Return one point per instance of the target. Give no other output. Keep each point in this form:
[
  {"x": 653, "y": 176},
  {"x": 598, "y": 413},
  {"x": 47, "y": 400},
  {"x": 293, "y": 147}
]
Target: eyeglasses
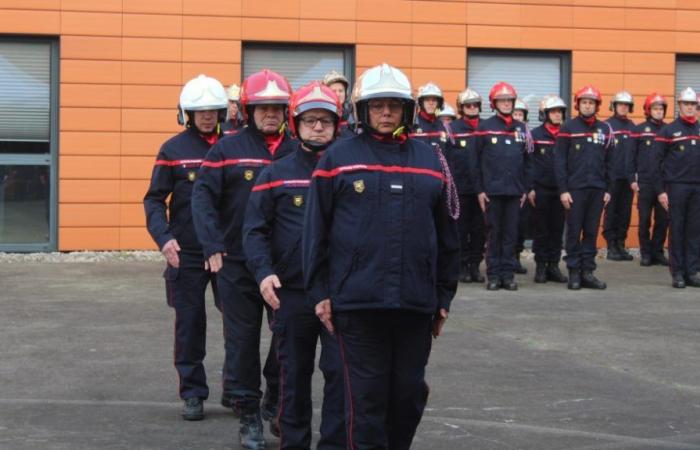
[
  {"x": 380, "y": 105},
  {"x": 312, "y": 121}
]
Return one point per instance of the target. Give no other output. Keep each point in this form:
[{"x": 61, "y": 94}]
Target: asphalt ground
[{"x": 86, "y": 363}]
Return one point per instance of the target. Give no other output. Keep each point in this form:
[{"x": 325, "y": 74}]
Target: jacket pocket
[
  {"x": 170, "y": 276},
  {"x": 348, "y": 271}
]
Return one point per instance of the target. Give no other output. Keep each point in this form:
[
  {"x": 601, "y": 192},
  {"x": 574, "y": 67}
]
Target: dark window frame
[{"x": 49, "y": 159}]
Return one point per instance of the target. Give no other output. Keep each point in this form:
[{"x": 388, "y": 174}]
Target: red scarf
[
  {"x": 507, "y": 119},
  {"x": 390, "y": 139},
  {"x": 273, "y": 142},
  {"x": 210, "y": 138},
  {"x": 589, "y": 120},
  {"x": 472, "y": 121},
  {"x": 689, "y": 120},
  {"x": 429, "y": 117},
  {"x": 553, "y": 129}
]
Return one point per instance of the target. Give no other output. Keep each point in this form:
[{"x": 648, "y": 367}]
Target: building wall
[{"x": 123, "y": 63}]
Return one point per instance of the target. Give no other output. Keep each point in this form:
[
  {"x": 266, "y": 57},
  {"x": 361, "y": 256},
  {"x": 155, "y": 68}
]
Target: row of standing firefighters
[{"x": 350, "y": 230}]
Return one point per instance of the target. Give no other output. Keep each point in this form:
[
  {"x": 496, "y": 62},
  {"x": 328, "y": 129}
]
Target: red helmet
[
  {"x": 590, "y": 92},
  {"x": 264, "y": 88},
  {"x": 314, "y": 95},
  {"x": 652, "y": 98},
  {"x": 502, "y": 91}
]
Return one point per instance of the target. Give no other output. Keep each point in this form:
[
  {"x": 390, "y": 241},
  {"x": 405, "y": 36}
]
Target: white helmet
[
  {"x": 447, "y": 111},
  {"x": 382, "y": 81},
  {"x": 622, "y": 97},
  {"x": 550, "y": 102},
  {"x": 234, "y": 93},
  {"x": 468, "y": 96},
  {"x": 520, "y": 106},
  {"x": 430, "y": 90},
  {"x": 202, "y": 94},
  {"x": 688, "y": 95}
]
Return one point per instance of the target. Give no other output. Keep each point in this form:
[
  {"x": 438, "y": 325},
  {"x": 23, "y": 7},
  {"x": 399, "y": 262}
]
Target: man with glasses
[{"x": 381, "y": 259}]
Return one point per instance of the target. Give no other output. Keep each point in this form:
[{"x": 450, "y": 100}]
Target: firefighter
[
  {"x": 428, "y": 128},
  {"x": 501, "y": 147},
  {"x": 520, "y": 113},
  {"x": 640, "y": 172},
  {"x": 463, "y": 162},
  {"x": 548, "y": 212},
  {"x": 219, "y": 199},
  {"x": 447, "y": 115},
  {"x": 341, "y": 86},
  {"x": 235, "y": 119},
  {"x": 618, "y": 212},
  {"x": 581, "y": 157},
  {"x": 381, "y": 259},
  {"x": 677, "y": 153},
  {"x": 271, "y": 239},
  {"x": 169, "y": 221}
]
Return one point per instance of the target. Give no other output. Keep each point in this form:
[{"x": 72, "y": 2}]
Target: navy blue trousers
[
  {"x": 185, "y": 289},
  {"x": 684, "y": 236},
  {"x": 502, "y": 218},
  {"x": 582, "y": 223},
  {"x": 547, "y": 226},
  {"x": 297, "y": 331}
]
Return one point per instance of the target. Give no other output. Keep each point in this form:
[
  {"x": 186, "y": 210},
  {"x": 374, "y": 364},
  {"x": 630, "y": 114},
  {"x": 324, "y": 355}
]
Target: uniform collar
[
  {"x": 552, "y": 129},
  {"x": 429, "y": 117}
]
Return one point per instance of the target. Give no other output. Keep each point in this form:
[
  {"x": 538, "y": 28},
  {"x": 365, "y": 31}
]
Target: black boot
[
  {"x": 645, "y": 261},
  {"x": 660, "y": 260},
  {"x": 624, "y": 254},
  {"x": 251, "y": 431},
  {"x": 494, "y": 284},
  {"x": 588, "y": 280},
  {"x": 692, "y": 281},
  {"x": 193, "y": 409},
  {"x": 574, "y": 279},
  {"x": 519, "y": 269},
  {"x": 613, "y": 252},
  {"x": 465, "y": 275},
  {"x": 554, "y": 274},
  {"x": 509, "y": 284},
  {"x": 540, "y": 273},
  {"x": 268, "y": 411},
  {"x": 476, "y": 276},
  {"x": 678, "y": 281}
]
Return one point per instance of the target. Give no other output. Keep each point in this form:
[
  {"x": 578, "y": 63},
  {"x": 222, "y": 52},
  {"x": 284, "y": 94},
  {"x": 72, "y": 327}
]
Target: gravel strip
[{"x": 79, "y": 257}]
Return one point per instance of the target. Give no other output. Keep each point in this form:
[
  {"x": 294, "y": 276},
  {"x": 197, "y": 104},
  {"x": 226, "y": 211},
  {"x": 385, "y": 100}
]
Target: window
[
  {"x": 28, "y": 142},
  {"x": 687, "y": 74},
  {"x": 533, "y": 74},
  {"x": 299, "y": 63}
]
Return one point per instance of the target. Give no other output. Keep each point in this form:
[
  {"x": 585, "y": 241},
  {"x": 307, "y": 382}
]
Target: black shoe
[
  {"x": 692, "y": 281},
  {"x": 588, "y": 280},
  {"x": 645, "y": 261},
  {"x": 519, "y": 269},
  {"x": 193, "y": 409},
  {"x": 613, "y": 252},
  {"x": 465, "y": 275},
  {"x": 660, "y": 260},
  {"x": 624, "y": 254},
  {"x": 494, "y": 284},
  {"x": 554, "y": 274},
  {"x": 574, "y": 279},
  {"x": 251, "y": 431},
  {"x": 540, "y": 273},
  {"x": 678, "y": 281},
  {"x": 476, "y": 275},
  {"x": 509, "y": 284}
]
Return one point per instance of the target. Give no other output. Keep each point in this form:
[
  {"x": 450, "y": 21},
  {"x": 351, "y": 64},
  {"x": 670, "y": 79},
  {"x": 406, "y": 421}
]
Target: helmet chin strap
[{"x": 316, "y": 147}]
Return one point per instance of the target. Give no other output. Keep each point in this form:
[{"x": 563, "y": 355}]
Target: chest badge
[
  {"x": 298, "y": 200},
  {"x": 494, "y": 140},
  {"x": 419, "y": 130},
  {"x": 578, "y": 146},
  {"x": 443, "y": 136},
  {"x": 542, "y": 150},
  {"x": 463, "y": 144},
  {"x": 248, "y": 175},
  {"x": 647, "y": 129},
  {"x": 682, "y": 147},
  {"x": 648, "y": 142},
  {"x": 191, "y": 176},
  {"x": 359, "y": 186}
]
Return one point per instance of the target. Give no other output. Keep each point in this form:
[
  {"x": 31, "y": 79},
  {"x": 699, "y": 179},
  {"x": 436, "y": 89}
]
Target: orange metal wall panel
[{"x": 123, "y": 63}]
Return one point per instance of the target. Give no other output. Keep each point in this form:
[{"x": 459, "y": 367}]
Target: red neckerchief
[
  {"x": 553, "y": 129},
  {"x": 589, "y": 120},
  {"x": 273, "y": 142},
  {"x": 507, "y": 119},
  {"x": 472, "y": 121},
  {"x": 429, "y": 117},
  {"x": 210, "y": 138},
  {"x": 390, "y": 139},
  {"x": 689, "y": 120}
]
